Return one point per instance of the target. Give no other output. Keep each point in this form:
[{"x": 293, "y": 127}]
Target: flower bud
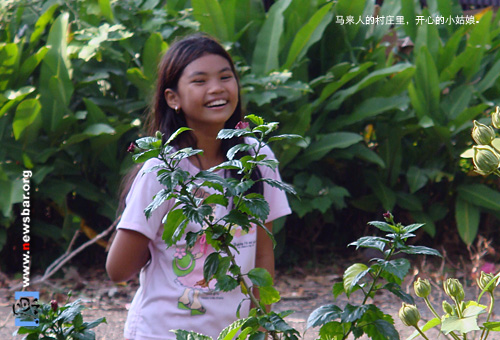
[
  {"x": 495, "y": 118},
  {"x": 388, "y": 217},
  {"x": 409, "y": 315},
  {"x": 447, "y": 308},
  {"x": 454, "y": 289},
  {"x": 422, "y": 288},
  {"x": 482, "y": 134},
  {"x": 485, "y": 159},
  {"x": 484, "y": 280},
  {"x": 54, "y": 305},
  {"x": 159, "y": 135},
  {"x": 242, "y": 125},
  {"x": 131, "y": 148}
]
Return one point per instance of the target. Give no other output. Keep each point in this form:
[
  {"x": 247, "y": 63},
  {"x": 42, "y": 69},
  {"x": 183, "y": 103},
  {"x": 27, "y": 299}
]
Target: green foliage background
[{"x": 384, "y": 126}]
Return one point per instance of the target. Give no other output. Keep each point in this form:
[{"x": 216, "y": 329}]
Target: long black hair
[{"x": 162, "y": 117}]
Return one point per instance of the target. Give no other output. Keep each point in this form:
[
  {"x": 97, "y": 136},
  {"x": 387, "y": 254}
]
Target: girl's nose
[{"x": 216, "y": 87}]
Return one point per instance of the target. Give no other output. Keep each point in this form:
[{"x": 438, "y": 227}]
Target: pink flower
[
  {"x": 387, "y": 216},
  {"x": 131, "y": 147},
  {"x": 180, "y": 253},
  {"x": 54, "y": 305},
  {"x": 488, "y": 267},
  {"x": 242, "y": 125}
]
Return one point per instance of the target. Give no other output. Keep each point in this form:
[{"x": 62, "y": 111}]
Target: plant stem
[
  {"x": 429, "y": 305},
  {"x": 485, "y": 332},
  {"x": 372, "y": 287},
  {"x": 421, "y": 333},
  {"x": 242, "y": 281}
]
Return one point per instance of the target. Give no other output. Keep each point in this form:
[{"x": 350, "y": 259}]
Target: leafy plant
[
  {"x": 458, "y": 319},
  {"x": 61, "y": 323},
  {"x": 245, "y": 208},
  {"x": 337, "y": 323}
]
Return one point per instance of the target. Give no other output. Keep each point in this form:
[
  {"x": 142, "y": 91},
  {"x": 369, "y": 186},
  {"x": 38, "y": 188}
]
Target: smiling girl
[{"x": 197, "y": 88}]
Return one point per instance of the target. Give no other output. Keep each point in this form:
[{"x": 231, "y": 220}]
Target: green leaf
[
  {"x": 232, "y": 133},
  {"x": 256, "y": 205},
  {"x": 144, "y": 156},
  {"x": 216, "y": 199},
  {"x": 489, "y": 79},
  {"x": 352, "y": 313},
  {"x": 370, "y": 108},
  {"x": 211, "y": 265},
  {"x": 175, "y": 224},
  {"x": 181, "y": 334},
  {"x": 158, "y": 200},
  {"x": 323, "y": 315},
  {"x": 267, "y": 48},
  {"x": 383, "y": 192},
  {"x": 151, "y": 54},
  {"x": 260, "y": 277},
  {"x": 257, "y": 120},
  {"x": 338, "y": 289},
  {"x": 492, "y": 326},
  {"x": 269, "y": 295},
  {"x": 383, "y": 226},
  {"x": 30, "y": 64},
  {"x": 480, "y": 195},
  {"x": 237, "y": 148},
  {"x": 371, "y": 78},
  {"x": 325, "y": 143},
  {"x": 398, "y": 291},
  {"x": 55, "y": 96},
  {"x": 284, "y": 136},
  {"x": 237, "y": 218},
  {"x": 106, "y": 9},
  {"x": 333, "y": 86},
  {"x": 419, "y": 250},
  {"x": 280, "y": 185},
  {"x": 427, "y": 84},
  {"x": 211, "y": 18},
  {"x": 308, "y": 35},
  {"x": 350, "y": 7},
  {"x": 416, "y": 178},
  {"x": 27, "y": 117},
  {"x": 197, "y": 214},
  {"x": 461, "y": 325},
  {"x": 408, "y": 201},
  {"x": 398, "y": 267},
  {"x": 385, "y": 330},
  {"x": 12, "y": 192},
  {"x": 139, "y": 79},
  {"x": 177, "y": 133},
  {"x": 352, "y": 275},
  {"x": 230, "y": 331},
  {"x": 467, "y": 217},
  {"x": 42, "y": 23},
  {"x": 370, "y": 242}
]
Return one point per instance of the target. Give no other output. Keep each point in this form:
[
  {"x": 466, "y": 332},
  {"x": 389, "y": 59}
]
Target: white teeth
[{"x": 217, "y": 103}]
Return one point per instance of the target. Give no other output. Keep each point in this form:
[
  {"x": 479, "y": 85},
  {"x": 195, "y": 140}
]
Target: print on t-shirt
[{"x": 188, "y": 267}]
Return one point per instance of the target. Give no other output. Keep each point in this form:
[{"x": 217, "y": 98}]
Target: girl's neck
[{"x": 212, "y": 153}]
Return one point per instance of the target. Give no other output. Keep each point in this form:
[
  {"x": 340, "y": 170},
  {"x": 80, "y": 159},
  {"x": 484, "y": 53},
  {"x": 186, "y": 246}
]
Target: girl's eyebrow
[{"x": 201, "y": 73}]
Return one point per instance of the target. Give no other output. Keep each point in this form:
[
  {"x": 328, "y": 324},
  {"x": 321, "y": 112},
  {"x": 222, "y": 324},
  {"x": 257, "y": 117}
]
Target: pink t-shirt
[{"x": 169, "y": 297}]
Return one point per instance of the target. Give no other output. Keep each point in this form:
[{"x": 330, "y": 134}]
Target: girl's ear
[{"x": 172, "y": 98}]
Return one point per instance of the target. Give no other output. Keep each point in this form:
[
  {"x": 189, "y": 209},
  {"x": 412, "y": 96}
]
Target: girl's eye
[
  {"x": 198, "y": 81},
  {"x": 226, "y": 77}
]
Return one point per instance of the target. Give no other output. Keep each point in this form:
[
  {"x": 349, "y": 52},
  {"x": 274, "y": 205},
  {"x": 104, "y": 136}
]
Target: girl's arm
[
  {"x": 264, "y": 257},
  {"x": 128, "y": 254}
]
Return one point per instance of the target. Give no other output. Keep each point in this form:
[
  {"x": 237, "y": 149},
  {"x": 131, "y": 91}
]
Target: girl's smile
[{"x": 207, "y": 92}]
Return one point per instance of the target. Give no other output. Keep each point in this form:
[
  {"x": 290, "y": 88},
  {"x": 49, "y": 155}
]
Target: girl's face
[{"x": 207, "y": 93}]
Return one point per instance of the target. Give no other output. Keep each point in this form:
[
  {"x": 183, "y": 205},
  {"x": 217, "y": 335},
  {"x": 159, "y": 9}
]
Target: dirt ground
[{"x": 302, "y": 291}]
